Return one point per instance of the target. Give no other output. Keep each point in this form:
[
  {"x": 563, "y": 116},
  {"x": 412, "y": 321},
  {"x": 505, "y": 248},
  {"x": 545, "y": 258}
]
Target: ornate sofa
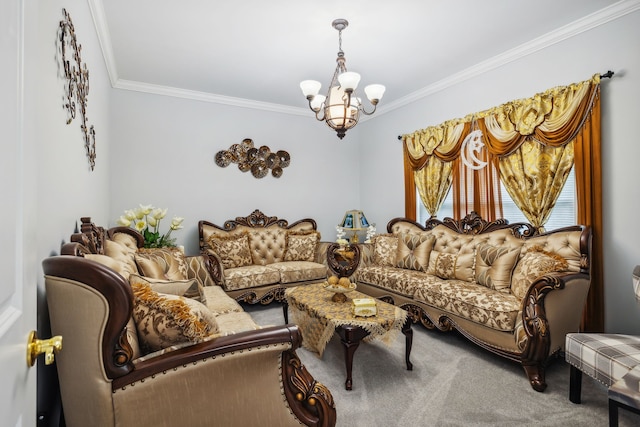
[
  {"x": 225, "y": 371},
  {"x": 504, "y": 287},
  {"x": 255, "y": 258}
]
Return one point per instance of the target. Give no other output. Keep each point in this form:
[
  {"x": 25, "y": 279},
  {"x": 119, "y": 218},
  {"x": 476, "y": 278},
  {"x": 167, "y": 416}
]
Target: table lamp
[{"x": 354, "y": 221}]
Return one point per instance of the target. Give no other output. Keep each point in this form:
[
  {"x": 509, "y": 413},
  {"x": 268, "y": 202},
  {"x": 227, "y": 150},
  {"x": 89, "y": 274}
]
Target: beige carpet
[{"x": 453, "y": 383}]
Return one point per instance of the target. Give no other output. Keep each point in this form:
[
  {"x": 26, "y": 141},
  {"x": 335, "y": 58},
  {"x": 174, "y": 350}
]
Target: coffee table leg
[
  {"x": 350, "y": 336},
  {"x": 408, "y": 334}
]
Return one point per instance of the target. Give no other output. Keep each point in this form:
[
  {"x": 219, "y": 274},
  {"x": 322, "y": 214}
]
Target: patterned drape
[{"x": 534, "y": 143}]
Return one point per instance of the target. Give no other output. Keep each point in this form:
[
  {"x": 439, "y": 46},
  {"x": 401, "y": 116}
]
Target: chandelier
[{"x": 341, "y": 107}]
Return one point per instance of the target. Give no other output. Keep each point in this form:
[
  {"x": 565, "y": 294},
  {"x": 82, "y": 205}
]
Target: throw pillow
[
  {"x": 535, "y": 263},
  {"x": 301, "y": 245},
  {"x": 164, "y": 320},
  {"x": 494, "y": 266},
  {"x": 414, "y": 250},
  {"x": 233, "y": 250},
  {"x": 162, "y": 263},
  {"x": 460, "y": 266},
  {"x": 189, "y": 288},
  {"x": 385, "y": 248},
  {"x": 119, "y": 266}
]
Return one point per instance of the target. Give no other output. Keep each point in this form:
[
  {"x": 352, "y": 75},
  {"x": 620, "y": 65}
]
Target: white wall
[
  {"x": 613, "y": 46},
  {"x": 163, "y": 152},
  {"x": 64, "y": 188}
]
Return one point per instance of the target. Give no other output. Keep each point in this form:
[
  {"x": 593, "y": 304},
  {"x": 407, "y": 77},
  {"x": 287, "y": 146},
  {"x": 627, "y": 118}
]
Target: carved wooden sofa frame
[
  {"x": 540, "y": 331},
  {"x": 96, "y": 366},
  {"x": 264, "y": 294}
]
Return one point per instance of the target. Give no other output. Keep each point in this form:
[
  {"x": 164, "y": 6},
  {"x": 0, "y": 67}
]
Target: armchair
[{"x": 247, "y": 378}]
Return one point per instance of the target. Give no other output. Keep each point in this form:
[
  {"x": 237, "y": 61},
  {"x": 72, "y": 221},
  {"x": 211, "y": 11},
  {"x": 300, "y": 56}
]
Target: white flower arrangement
[{"x": 146, "y": 220}]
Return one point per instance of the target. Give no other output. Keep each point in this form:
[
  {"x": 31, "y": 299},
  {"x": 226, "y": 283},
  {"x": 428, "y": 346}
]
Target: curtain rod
[{"x": 606, "y": 75}]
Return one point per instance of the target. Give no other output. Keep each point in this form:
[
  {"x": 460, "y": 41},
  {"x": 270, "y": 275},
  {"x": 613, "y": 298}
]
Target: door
[{"x": 18, "y": 266}]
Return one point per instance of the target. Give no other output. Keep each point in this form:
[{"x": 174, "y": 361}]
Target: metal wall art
[
  {"x": 77, "y": 87},
  {"x": 257, "y": 160}
]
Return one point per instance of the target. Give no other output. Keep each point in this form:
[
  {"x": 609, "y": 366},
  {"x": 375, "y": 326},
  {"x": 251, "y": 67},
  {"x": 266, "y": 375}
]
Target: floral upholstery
[
  {"x": 385, "y": 247},
  {"x": 534, "y": 264},
  {"x": 460, "y": 266},
  {"x": 301, "y": 245},
  {"x": 494, "y": 309},
  {"x": 399, "y": 280},
  {"x": 163, "y": 320},
  {"x": 300, "y": 271},
  {"x": 250, "y": 277},
  {"x": 233, "y": 250},
  {"x": 278, "y": 254}
]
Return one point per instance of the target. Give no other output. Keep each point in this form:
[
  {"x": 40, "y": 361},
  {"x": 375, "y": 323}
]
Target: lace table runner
[{"x": 317, "y": 316}]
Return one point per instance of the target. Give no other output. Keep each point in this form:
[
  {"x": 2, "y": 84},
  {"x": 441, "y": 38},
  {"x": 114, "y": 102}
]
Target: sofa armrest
[
  {"x": 258, "y": 366},
  {"x": 214, "y": 266},
  {"x": 551, "y": 308}
]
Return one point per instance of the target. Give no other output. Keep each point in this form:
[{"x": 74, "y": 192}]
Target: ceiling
[{"x": 255, "y": 52}]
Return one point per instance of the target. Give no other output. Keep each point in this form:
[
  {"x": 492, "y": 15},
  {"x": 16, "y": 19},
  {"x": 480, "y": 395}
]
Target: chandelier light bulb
[
  {"x": 374, "y": 92},
  {"x": 349, "y": 80},
  {"x": 310, "y": 88}
]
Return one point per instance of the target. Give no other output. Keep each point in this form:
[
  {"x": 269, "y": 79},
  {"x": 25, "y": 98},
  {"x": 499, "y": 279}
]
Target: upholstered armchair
[
  {"x": 242, "y": 379},
  {"x": 611, "y": 359}
]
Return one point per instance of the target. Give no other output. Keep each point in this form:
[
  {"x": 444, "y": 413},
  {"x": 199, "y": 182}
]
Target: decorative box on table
[{"x": 364, "y": 307}]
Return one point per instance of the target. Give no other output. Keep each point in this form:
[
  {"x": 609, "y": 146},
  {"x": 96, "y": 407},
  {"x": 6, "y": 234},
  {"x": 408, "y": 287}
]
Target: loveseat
[
  {"x": 504, "y": 286},
  {"x": 255, "y": 258},
  {"x": 137, "y": 351}
]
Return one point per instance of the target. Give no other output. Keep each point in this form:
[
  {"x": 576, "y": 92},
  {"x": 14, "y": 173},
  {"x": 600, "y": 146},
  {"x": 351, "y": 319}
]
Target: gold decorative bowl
[{"x": 339, "y": 291}]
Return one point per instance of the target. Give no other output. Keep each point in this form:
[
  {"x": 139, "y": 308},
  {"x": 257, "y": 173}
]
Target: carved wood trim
[
  {"x": 256, "y": 219},
  {"x": 340, "y": 265},
  {"x": 474, "y": 224},
  {"x": 116, "y": 351},
  {"x": 309, "y": 399}
]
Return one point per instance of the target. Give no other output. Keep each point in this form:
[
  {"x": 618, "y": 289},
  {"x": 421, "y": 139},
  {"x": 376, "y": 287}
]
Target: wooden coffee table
[{"x": 319, "y": 318}]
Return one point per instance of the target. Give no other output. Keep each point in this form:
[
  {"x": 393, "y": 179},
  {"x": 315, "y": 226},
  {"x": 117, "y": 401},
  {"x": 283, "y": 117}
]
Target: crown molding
[
  {"x": 579, "y": 26},
  {"x": 209, "y": 97},
  {"x": 596, "y": 19},
  {"x": 104, "y": 38}
]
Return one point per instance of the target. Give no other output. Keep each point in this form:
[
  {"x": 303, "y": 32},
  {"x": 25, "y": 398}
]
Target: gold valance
[{"x": 553, "y": 118}]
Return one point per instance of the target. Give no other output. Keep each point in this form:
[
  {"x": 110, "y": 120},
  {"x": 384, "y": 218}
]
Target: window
[{"x": 563, "y": 214}]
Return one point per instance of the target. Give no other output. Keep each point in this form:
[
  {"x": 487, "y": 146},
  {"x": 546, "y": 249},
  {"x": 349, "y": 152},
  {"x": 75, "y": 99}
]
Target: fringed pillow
[
  {"x": 233, "y": 250},
  {"x": 188, "y": 288},
  {"x": 164, "y": 320},
  {"x": 535, "y": 263},
  {"x": 301, "y": 245},
  {"x": 494, "y": 266}
]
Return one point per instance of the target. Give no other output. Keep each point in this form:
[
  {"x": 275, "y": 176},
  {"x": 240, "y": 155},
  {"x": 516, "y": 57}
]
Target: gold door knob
[{"x": 48, "y": 347}]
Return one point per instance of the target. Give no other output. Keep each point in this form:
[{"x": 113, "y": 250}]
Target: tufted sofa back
[
  {"x": 267, "y": 236},
  {"x": 465, "y": 236}
]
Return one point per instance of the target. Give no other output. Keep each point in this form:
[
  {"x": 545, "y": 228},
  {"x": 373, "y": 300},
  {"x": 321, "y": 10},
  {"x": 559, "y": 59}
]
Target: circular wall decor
[{"x": 257, "y": 160}]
